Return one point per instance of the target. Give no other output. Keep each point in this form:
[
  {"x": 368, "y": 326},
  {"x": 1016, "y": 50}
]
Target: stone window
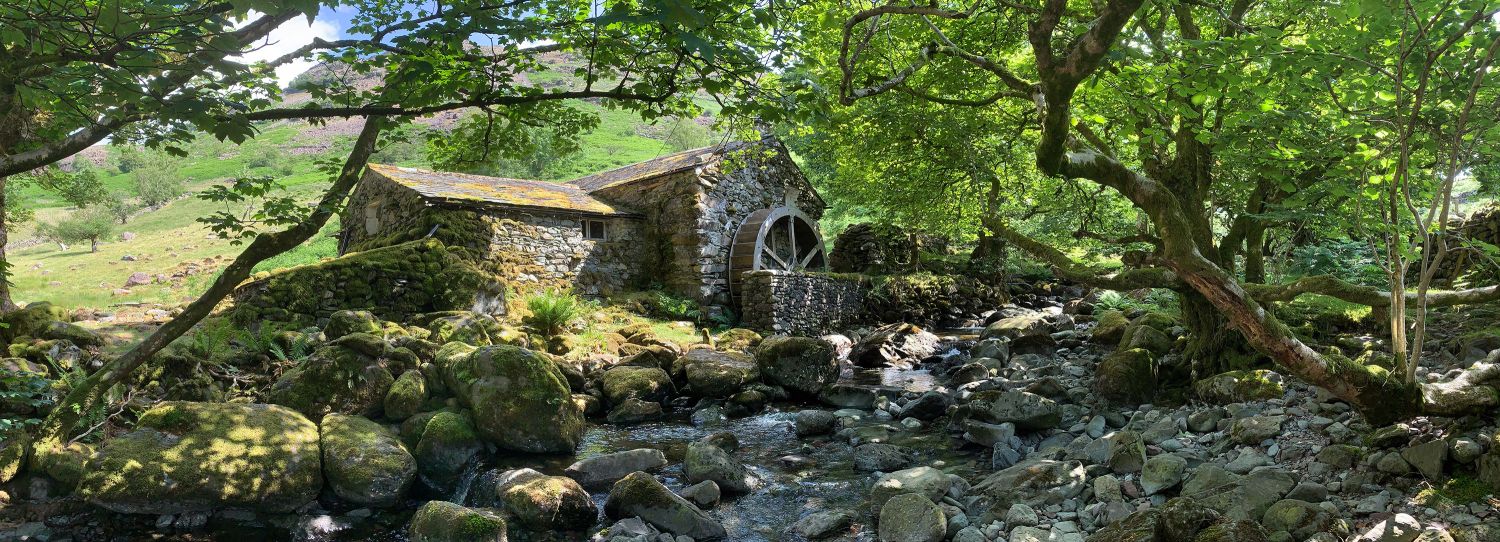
[
  {"x": 594, "y": 230},
  {"x": 372, "y": 218}
]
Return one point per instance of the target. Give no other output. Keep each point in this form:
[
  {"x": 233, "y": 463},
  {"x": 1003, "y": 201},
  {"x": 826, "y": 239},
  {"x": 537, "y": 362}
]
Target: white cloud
[{"x": 287, "y": 38}]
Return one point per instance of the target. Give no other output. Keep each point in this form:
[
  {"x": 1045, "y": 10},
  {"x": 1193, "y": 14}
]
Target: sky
[{"x": 329, "y": 25}]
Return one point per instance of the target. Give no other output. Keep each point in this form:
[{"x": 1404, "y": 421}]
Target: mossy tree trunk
[{"x": 90, "y": 391}]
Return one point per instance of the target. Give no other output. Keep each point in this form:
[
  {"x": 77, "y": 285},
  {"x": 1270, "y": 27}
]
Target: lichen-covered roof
[
  {"x": 445, "y": 187},
  {"x": 653, "y": 168}
]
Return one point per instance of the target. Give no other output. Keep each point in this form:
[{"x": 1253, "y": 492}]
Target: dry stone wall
[
  {"x": 552, "y": 252},
  {"x": 802, "y": 303}
]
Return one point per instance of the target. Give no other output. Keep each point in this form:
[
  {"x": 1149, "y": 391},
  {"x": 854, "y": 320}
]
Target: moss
[
  {"x": 521, "y": 400},
  {"x": 442, "y": 521},
  {"x": 407, "y": 395},
  {"x": 334, "y": 379},
  {"x": 30, "y": 320},
  {"x": 1460, "y": 489},
  {"x": 738, "y": 339},
  {"x": 1127, "y": 376},
  {"x": 14, "y": 456},
  {"x": 344, "y": 322},
  {"x": 645, "y": 383},
  {"x": 1238, "y": 386},
  {"x": 365, "y": 464},
  {"x": 1110, "y": 328},
  {"x": 204, "y": 456}
]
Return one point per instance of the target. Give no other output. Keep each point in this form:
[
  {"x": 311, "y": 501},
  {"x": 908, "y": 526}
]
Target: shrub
[
  {"x": 551, "y": 311},
  {"x": 669, "y": 307}
]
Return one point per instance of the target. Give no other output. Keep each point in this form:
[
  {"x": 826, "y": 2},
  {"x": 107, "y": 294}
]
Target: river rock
[
  {"x": 192, "y": 457},
  {"x": 818, "y": 525},
  {"x": 703, "y": 494},
  {"x": 911, "y": 517},
  {"x": 1427, "y": 458},
  {"x": 406, "y": 396},
  {"x": 1238, "y": 497},
  {"x": 1017, "y": 327},
  {"x": 1162, "y": 472},
  {"x": 706, "y": 460},
  {"x": 711, "y": 373},
  {"x": 880, "y": 457},
  {"x": 365, "y": 463},
  {"x": 894, "y": 345},
  {"x": 1128, "y": 375},
  {"x": 547, "y": 503},
  {"x": 1254, "y": 429},
  {"x": 926, "y": 481},
  {"x": 1110, "y": 327},
  {"x": 336, "y": 378},
  {"x": 633, "y": 411},
  {"x": 804, "y": 366},
  {"x": 1240, "y": 386},
  {"x": 1124, "y": 452},
  {"x": 622, "y": 382},
  {"x": 814, "y": 422},
  {"x": 640, "y": 495},
  {"x": 927, "y": 406},
  {"x": 1034, "y": 482},
  {"x": 520, "y": 399},
  {"x": 1300, "y": 518},
  {"x": 608, "y": 468},
  {"x": 1025, "y": 410},
  {"x": 448, "y": 442},
  {"x": 443, "y": 521},
  {"x": 1397, "y": 528}
]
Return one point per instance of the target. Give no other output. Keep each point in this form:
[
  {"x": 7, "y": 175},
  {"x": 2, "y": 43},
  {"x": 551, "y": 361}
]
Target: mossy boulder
[
  {"x": 1300, "y": 518},
  {"x": 443, "y": 521},
  {"x": 739, "y": 339},
  {"x": 707, "y": 460},
  {"x": 342, "y": 323},
  {"x": 186, "y": 457},
  {"x": 448, "y": 442},
  {"x": 66, "y": 465},
  {"x": 1017, "y": 327},
  {"x": 333, "y": 379},
  {"x": 365, "y": 463},
  {"x": 656, "y": 357},
  {"x": 30, "y": 320},
  {"x": 1150, "y": 331},
  {"x": 804, "y": 366},
  {"x": 1110, "y": 327},
  {"x": 73, "y": 333},
  {"x": 406, "y": 396},
  {"x": 1240, "y": 386},
  {"x": 547, "y": 503},
  {"x": 640, "y": 495},
  {"x": 645, "y": 383},
  {"x": 1127, "y": 376},
  {"x": 710, "y": 373},
  {"x": 912, "y": 518},
  {"x": 520, "y": 399},
  {"x": 14, "y": 454},
  {"x": 474, "y": 329}
]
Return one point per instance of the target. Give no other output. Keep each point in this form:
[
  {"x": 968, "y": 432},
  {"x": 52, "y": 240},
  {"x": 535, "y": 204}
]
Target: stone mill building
[{"x": 691, "y": 222}]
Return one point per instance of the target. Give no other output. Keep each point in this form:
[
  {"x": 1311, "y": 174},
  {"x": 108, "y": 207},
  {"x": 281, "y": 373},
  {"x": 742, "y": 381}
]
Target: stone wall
[
  {"x": 393, "y": 282},
  {"x": 383, "y": 204},
  {"x": 552, "y": 252},
  {"x": 802, "y": 303}
]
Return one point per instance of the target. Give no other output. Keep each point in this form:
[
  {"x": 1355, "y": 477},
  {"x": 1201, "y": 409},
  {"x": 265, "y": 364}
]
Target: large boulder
[
  {"x": 30, "y": 320},
  {"x": 802, "y": 365},
  {"x": 894, "y": 345},
  {"x": 443, "y": 521},
  {"x": 710, "y": 373},
  {"x": 912, "y": 518},
  {"x": 1180, "y": 520},
  {"x": 366, "y": 464},
  {"x": 1034, "y": 482},
  {"x": 1239, "y": 387},
  {"x": 473, "y": 329},
  {"x": 520, "y": 399},
  {"x": 193, "y": 457},
  {"x": 336, "y": 378},
  {"x": 342, "y": 323},
  {"x": 925, "y": 481},
  {"x": 1024, "y": 409},
  {"x": 1018, "y": 327},
  {"x": 546, "y": 503},
  {"x": 645, "y": 383},
  {"x": 1238, "y": 497},
  {"x": 707, "y": 460},
  {"x": 1127, "y": 376},
  {"x": 406, "y": 396},
  {"x": 1110, "y": 327},
  {"x": 640, "y": 495},
  {"x": 73, "y": 333},
  {"x": 610, "y": 468}
]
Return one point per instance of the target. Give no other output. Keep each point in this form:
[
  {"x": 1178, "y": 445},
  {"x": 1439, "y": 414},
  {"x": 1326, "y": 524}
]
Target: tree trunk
[
  {"x": 85, "y": 396},
  {"x": 94, "y": 245},
  {"x": 6, "y": 305}
]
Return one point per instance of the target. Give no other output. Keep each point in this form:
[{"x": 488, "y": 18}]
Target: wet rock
[
  {"x": 894, "y": 345},
  {"x": 814, "y": 422},
  {"x": 1025, "y": 410},
  {"x": 926, "y": 481},
  {"x": 548, "y": 503},
  {"x": 645, "y": 383},
  {"x": 911, "y": 517},
  {"x": 988, "y": 434},
  {"x": 442, "y": 521},
  {"x": 711, "y": 373},
  {"x": 640, "y": 495},
  {"x": 1254, "y": 429},
  {"x": 633, "y": 411},
  {"x": 448, "y": 442},
  {"x": 608, "y": 468},
  {"x": 1034, "y": 482},
  {"x": 818, "y": 525},
  {"x": 1162, "y": 472},
  {"x": 706, "y": 460},
  {"x": 805, "y": 366},
  {"x": 877, "y": 457},
  {"x": 703, "y": 494},
  {"x": 847, "y": 396},
  {"x": 365, "y": 463},
  {"x": 186, "y": 457}
]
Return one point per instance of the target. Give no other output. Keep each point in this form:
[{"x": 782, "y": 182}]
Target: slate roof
[
  {"x": 653, "y": 168},
  {"x": 461, "y": 188}
]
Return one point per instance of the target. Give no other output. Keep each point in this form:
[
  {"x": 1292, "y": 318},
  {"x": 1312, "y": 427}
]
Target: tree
[
  {"x": 684, "y": 134},
  {"x": 156, "y": 182},
  {"x": 1142, "y": 104},
  {"x": 89, "y": 224},
  {"x": 119, "y": 206}
]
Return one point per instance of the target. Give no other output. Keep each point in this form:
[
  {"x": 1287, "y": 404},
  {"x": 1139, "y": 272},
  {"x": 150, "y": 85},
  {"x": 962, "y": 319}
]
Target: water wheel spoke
[
  {"x": 810, "y": 255},
  {"x": 778, "y": 259}
]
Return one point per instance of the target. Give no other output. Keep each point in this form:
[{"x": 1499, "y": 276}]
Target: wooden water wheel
[{"x": 779, "y": 239}]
